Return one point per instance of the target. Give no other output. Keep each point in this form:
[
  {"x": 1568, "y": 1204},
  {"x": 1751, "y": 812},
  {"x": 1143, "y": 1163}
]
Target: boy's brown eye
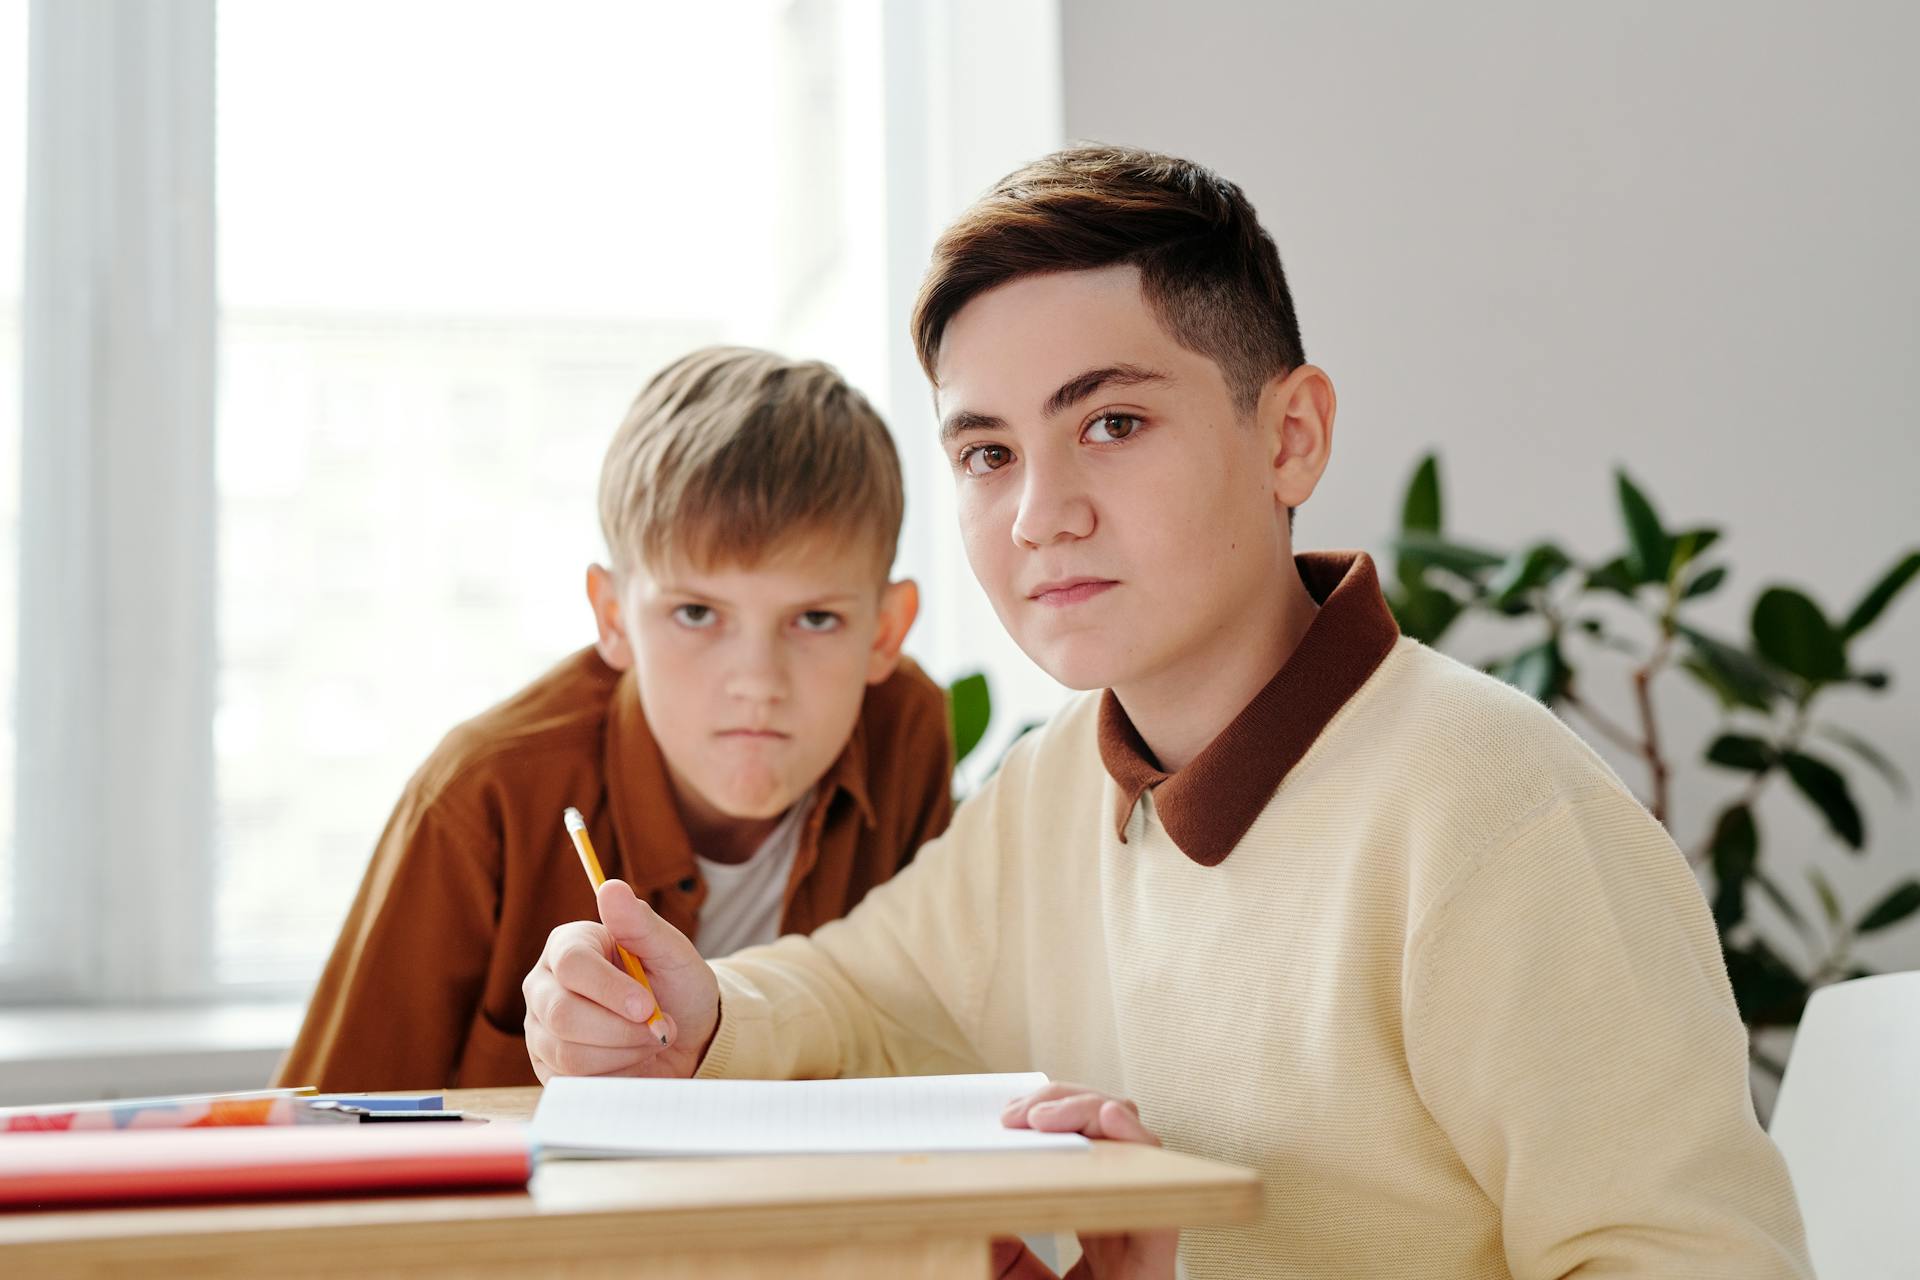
[
  {"x": 1109, "y": 427},
  {"x": 986, "y": 457}
]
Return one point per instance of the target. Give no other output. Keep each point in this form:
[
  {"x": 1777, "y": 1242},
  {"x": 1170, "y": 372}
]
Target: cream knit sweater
[{"x": 1454, "y": 995}]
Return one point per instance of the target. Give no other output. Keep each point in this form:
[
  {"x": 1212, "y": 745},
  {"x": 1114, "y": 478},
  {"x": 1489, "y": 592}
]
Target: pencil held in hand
[{"x": 577, "y": 828}]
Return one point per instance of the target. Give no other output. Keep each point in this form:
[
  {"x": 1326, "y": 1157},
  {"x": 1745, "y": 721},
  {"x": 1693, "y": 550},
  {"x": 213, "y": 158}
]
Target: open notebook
[{"x": 582, "y": 1116}]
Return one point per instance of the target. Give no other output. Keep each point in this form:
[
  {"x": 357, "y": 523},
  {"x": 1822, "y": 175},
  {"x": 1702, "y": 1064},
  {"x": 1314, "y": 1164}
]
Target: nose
[
  {"x": 757, "y": 670},
  {"x": 1054, "y": 506}
]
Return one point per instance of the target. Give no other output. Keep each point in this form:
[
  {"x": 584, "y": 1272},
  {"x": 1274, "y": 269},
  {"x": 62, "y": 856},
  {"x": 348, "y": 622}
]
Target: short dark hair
[{"x": 1208, "y": 270}]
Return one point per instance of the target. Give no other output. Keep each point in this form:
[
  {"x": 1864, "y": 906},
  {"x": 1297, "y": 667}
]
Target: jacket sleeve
[
  {"x": 394, "y": 1005},
  {"x": 1571, "y": 1028}
]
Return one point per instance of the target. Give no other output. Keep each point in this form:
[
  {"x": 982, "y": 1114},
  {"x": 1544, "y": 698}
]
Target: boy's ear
[
  {"x": 899, "y": 606},
  {"x": 603, "y": 593},
  {"x": 1296, "y": 414}
]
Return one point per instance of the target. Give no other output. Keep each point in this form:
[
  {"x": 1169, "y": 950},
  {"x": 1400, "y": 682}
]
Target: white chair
[{"x": 1848, "y": 1122}]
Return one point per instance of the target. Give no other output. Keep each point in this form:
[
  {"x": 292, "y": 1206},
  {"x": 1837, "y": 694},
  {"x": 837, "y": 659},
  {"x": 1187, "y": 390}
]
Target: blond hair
[{"x": 730, "y": 452}]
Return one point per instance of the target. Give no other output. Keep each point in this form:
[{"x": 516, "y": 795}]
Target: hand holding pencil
[
  {"x": 625, "y": 995},
  {"x": 583, "y": 845}
]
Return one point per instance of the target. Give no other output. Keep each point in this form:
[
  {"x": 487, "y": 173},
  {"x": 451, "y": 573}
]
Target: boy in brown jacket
[{"x": 749, "y": 748}]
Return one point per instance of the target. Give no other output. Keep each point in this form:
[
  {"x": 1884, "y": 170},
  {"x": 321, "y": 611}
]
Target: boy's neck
[
  {"x": 1181, "y": 709},
  {"x": 717, "y": 836},
  {"x": 733, "y": 841}
]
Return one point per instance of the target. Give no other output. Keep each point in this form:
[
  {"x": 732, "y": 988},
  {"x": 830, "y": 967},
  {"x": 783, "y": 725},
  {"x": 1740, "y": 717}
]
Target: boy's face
[
  {"x": 1118, "y": 508},
  {"x": 752, "y": 677}
]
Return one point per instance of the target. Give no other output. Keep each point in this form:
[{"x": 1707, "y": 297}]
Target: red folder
[{"x": 44, "y": 1170}]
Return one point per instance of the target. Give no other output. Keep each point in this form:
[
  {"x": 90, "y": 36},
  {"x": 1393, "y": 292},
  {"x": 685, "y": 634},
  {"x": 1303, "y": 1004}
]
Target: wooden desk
[{"x": 806, "y": 1217}]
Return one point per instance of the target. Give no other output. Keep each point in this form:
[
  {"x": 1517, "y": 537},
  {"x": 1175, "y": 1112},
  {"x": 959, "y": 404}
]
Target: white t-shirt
[{"x": 744, "y": 899}]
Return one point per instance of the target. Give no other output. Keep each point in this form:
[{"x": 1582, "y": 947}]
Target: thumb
[{"x": 639, "y": 928}]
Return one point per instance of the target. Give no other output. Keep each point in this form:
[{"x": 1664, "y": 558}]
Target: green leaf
[
  {"x": 1419, "y": 515},
  {"x": 1881, "y": 594},
  {"x": 1463, "y": 561},
  {"x": 1790, "y": 632},
  {"x": 1649, "y": 550},
  {"x": 1779, "y": 898},
  {"x": 970, "y": 707},
  {"x": 1739, "y": 679},
  {"x": 1738, "y": 751},
  {"x": 1829, "y": 900},
  {"x": 1691, "y": 545},
  {"x": 1867, "y": 752},
  {"x": 1527, "y": 571},
  {"x": 1706, "y": 583},
  {"x": 1736, "y": 846},
  {"x": 1612, "y": 576},
  {"x": 1892, "y": 909},
  {"x": 1420, "y": 511},
  {"x": 1540, "y": 671},
  {"x": 1766, "y": 988},
  {"x": 1423, "y": 612},
  {"x": 1821, "y": 783}
]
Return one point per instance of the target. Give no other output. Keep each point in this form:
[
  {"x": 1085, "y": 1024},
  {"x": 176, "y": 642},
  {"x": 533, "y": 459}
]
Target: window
[
  {"x": 13, "y": 188},
  {"x": 311, "y": 449},
  {"x": 438, "y": 293}
]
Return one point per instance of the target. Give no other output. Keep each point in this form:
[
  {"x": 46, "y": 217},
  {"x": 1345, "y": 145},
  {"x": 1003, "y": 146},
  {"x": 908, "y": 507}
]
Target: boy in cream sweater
[{"x": 1284, "y": 888}]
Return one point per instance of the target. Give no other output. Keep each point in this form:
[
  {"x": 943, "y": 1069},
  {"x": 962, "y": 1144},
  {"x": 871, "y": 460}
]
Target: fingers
[
  {"x": 1015, "y": 1114},
  {"x": 551, "y": 1057},
  {"x": 1120, "y": 1122},
  {"x": 1061, "y": 1107},
  {"x": 638, "y": 928},
  {"x": 581, "y": 959},
  {"x": 584, "y": 1016}
]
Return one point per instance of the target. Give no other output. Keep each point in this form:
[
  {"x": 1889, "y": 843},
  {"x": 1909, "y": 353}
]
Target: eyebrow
[
  {"x": 688, "y": 594},
  {"x": 1069, "y": 393}
]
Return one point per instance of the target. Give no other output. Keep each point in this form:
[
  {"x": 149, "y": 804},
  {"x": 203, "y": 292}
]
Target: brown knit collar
[{"x": 1208, "y": 806}]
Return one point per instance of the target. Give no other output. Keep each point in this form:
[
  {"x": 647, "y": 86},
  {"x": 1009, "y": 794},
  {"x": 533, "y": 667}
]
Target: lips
[
  {"x": 770, "y": 735},
  {"x": 1066, "y": 591}
]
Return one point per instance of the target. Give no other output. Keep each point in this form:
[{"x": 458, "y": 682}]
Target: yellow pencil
[{"x": 577, "y": 828}]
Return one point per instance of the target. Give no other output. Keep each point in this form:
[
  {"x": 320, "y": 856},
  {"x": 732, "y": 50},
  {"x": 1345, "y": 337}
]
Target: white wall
[
  {"x": 972, "y": 91},
  {"x": 1551, "y": 239}
]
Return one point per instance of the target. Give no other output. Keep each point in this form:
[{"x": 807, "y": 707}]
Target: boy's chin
[
  {"x": 1081, "y": 663},
  {"x": 757, "y": 807}
]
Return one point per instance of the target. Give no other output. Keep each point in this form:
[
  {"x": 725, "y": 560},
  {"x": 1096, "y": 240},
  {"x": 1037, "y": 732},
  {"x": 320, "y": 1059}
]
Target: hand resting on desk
[{"x": 1073, "y": 1108}]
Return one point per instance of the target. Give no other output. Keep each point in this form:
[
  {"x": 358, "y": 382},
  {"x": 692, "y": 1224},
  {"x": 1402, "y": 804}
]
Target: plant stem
[
  {"x": 1650, "y": 746},
  {"x": 1613, "y": 731}
]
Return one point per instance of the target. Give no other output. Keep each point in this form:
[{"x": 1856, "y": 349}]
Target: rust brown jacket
[{"x": 475, "y": 869}]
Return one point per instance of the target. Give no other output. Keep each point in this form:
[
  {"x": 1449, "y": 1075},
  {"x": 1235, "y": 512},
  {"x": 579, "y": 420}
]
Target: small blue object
[{"x": 375, "y": 1102}]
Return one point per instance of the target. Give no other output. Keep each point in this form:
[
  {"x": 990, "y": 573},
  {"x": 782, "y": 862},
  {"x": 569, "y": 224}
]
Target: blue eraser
[{"x": 377, "y": 1102}]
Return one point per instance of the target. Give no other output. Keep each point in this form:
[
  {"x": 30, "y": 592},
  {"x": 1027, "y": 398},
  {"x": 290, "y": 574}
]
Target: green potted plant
[{"x": 1773, "y": 689}]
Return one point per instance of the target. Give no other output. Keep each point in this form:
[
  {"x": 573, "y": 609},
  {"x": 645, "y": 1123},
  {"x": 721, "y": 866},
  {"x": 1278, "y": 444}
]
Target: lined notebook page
[{"x": 581, "y": 1115}]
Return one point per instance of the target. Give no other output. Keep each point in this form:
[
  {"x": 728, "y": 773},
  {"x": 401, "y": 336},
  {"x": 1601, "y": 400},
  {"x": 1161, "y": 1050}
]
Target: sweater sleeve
[
  {"x": 1571, "y": 1028},
  {"x": 898, "y": 986},
  {"x": 398, "y": 995}
]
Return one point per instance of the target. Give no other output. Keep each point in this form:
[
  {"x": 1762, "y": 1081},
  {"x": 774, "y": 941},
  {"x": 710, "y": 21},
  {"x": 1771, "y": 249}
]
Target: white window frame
[
  {"x": 118, "y": 637},
  {"x": 117, "y": 640},
  {"x": 972, "y": 90}
]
